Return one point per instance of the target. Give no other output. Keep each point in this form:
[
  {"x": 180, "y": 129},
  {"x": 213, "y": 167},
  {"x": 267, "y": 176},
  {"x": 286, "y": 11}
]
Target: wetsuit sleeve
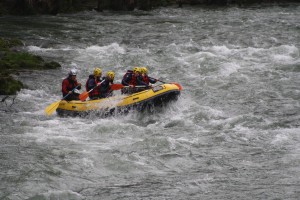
[{"x": 152, "y": 80}]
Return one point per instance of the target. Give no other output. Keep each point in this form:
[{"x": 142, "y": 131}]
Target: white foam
[
  {"x": 61, "y": 194},
  {"x": 112, "y": 48},
  {"x": 29, "y": 94},
  {"x": 221, "y": 50},
  {"x": 199, "y": 57},
  {"x": 39, "y": 49},
  {"x": 286, "y": 135},
  {"x": 281, "y": 58},
  {"x": 227, "y": 69},
  {"x": 35, "y": 48},
  {"x": 284, "y": 54}
]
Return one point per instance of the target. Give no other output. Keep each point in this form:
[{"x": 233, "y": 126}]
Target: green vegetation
[
  {"x": 9, "y": 86},
  {"x": 12, "y": 61},
  {"x": 23, "y": 60}
]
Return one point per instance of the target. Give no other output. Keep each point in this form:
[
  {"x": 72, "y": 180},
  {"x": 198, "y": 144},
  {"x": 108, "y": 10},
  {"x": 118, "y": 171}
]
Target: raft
[{"x": 158, "y": 96}]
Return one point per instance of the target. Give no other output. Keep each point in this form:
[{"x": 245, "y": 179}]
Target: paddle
[
  {"x": 177, "y": 84},
  {"x": 119, "y": 86},
  {"x": 116, "y": 86},
  {"x": 85, "y": 94},
  {"x": 52, "y": 107}
]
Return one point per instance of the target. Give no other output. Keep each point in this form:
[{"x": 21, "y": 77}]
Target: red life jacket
[
  {"x": 133, "y": 80},
  {"x": 95, "y": 92},
  {"x": 68, "y": 85},
  {"x": 146, "y": 79}
]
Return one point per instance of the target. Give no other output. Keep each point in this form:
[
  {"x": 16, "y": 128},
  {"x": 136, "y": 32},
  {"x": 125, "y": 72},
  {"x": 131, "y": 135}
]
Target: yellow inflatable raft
[{"x": 150, "y": 98}]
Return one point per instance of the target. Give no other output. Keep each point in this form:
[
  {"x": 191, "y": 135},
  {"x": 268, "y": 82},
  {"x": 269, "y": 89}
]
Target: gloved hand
[{"x": 76, "y": 91}]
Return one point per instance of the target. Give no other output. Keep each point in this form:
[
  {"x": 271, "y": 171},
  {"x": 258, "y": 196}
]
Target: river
[{"x": 232, "y": 134}]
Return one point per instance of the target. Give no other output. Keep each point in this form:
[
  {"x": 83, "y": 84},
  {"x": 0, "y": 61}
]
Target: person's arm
[
  {"x": 152, "y": 80},
  {"x": 139, "y": 81},
  {"x": 77, "y": 84}
]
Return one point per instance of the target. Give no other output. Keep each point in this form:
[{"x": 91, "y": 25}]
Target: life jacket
[
  {"x": 105, "y": 88},
  {"x": 146, "y": 79},
  {"x": 129, "y": 74},
  {"x": 133, "y": 80},
  {"x": 95, "y": 92},
  {"x": 125, "y": 77},
  {"x": 68, "y": 85}
]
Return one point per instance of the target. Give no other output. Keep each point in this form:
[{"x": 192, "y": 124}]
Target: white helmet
[{"x": 73, "y": 72}]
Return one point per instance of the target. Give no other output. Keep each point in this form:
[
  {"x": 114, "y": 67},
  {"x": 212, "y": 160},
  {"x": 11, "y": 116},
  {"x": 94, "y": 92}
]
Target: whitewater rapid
[{"x": 232, "y": 134}]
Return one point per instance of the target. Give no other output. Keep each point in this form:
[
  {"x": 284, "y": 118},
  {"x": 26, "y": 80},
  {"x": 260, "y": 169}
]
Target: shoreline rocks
[{"x": 12, "y": 60}]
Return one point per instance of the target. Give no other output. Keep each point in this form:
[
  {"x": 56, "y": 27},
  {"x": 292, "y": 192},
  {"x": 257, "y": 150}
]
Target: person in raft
[
  {"x": 70, "y": 86},
  {"x": 127, "y": 78},
  {"x": 148, "y": 80},
  {"x": 132, "y": 79},
  {"x": 92, "y": 82},
  {"x": 105, "y": 87}
]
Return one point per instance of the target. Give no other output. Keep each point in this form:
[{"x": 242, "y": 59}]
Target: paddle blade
[
  {"x": 83, "y": 96},
  {"x": 116, "y": 86},
  {"x": 178, "y": 85},
  {"x": 51, "y": 108}
]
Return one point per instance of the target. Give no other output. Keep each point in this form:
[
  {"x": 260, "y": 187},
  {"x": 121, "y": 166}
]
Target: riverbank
[
  {"x": 32, "y": 7},
  {"x": 14, "y": 59}
]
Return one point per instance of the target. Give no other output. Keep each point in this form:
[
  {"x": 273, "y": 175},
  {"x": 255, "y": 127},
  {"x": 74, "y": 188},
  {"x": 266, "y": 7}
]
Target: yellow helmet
[
  {"x": 97, "y": 72},
  {"x": 111, "y": 75},
  {"x": 136, "y": 69},
  {"x": 144, "y": 70}
]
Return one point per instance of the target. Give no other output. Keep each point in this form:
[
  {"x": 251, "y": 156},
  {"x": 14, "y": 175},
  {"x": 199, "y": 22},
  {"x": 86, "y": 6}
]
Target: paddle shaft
[
  {"x": 70, "y": 92},
  {"x": 137, "y": 86},
  {"x": 96, "y": 86},
  {"x": 85, "y": 94},
  {"x": 118, "y": 86}
]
